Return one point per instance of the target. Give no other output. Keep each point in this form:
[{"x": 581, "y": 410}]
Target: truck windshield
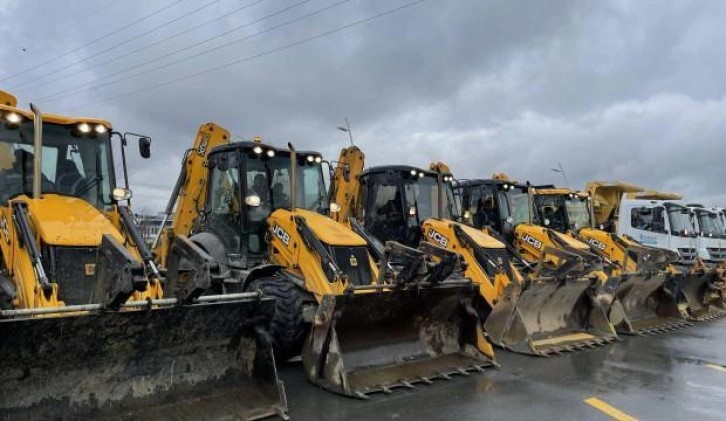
[
  {"x": 680, "y": 220},
  {"x": 72, "y": 164},
  {"x": 710, "y": 224},
  {"x": 423, "y": 194},
  {"x": 515, "y": 204}
]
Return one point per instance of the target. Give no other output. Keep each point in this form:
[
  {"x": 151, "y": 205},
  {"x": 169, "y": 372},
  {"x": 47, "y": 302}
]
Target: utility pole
[
  {"x": 562, "y": 172},
  {"x": 347, "y": 130}
]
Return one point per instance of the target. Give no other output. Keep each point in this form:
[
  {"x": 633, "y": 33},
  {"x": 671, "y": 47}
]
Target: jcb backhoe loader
[
  {"x": 250, "y": 216},
  {"x": 417, "y": 207},
  {"x": 648, "y": 293},
  {"x": 657, "y": 220},
  {"x": 86, "y": 331}
]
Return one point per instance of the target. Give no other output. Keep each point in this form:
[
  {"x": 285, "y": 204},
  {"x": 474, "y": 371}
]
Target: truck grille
[
  {"x": 353, "y": 262},
  {"x": 688, "y": 255},
  {"x": 717, "y": 253}
]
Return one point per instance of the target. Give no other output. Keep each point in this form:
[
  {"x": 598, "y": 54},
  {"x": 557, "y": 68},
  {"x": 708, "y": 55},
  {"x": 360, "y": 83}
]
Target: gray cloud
[{"x": 616, "y": 90}]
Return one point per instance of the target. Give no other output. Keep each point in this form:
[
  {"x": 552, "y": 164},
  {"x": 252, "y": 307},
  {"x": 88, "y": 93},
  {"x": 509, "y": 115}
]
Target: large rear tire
[{"x": 287, "y": 328}]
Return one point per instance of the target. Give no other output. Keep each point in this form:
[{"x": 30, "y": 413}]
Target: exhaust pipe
[
  {"x": 38, "y": 148},
  {"x": 293, "y": 176}
]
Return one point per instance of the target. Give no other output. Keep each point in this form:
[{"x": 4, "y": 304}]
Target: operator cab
[
  {"x": 76, "y": 159},
  {"x": 561, "y": 209},
  {"x": 250, "y": 180},
  {"x": 399, "y": 198},
  {"x": 494, "y": 203}
]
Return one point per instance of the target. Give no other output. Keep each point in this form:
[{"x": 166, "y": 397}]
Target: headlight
[
  {"x": 100, "y": 129},
  {"x": 270, "y": 153},
  {"x": 257, "y": 150},
  {"x": 334, "y": 207},
  {"x": 84, "y": 128},
  {"x": 253, "y": 200},
  {"x": 13, "y": 118},
  {"x": 121, "y": 194}
]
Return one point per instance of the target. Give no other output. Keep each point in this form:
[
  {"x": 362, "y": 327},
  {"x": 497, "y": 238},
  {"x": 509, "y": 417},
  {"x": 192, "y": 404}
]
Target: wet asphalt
[{"x": 676, "y": 376}]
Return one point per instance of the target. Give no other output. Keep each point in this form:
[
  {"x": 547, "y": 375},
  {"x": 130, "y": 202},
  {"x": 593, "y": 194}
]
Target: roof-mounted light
[
  {"x": 257, "y": 150},
  {"x": 420, "y": 175},
  {"x": 413, "y": 173},
  {"x": 84, "y": 128},
  {"x": 270, "y": 153},
  {"x": 100, "y": 128},
  {"x": 310, "y": 158},
  {"x": 318, "y": 159}
]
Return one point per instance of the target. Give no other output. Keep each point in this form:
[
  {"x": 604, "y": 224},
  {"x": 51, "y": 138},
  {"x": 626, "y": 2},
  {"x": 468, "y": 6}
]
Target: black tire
[{"x": 287, "y": 328}]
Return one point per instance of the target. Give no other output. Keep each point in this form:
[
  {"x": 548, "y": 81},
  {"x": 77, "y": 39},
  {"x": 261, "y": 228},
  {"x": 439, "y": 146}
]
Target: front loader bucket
[
  {"x": 703, "y": 298},
  {"x": 209, "y": 360},
  {"x": 367, "y": 342},
  {"x": 646, "y": 304},
  {"x": 549, "y": 316}
]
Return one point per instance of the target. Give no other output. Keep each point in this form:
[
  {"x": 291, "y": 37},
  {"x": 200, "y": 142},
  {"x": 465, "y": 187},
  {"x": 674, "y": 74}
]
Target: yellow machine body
[
  {"x": 357, "y": 333},
  {"x": 86, "y": 329}
]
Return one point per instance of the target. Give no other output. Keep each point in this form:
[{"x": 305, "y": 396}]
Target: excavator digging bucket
[
  {"x": 549, "y": 316},
  {"x": 647, "y": 303},
  {"x": 207, "y": 360},
  {"x": 703, "y": 298},
  {"x": 376, "y": 340}
]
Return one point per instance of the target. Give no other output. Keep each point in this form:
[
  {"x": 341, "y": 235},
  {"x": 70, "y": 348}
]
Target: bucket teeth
[{"x": 408, "y": 384}]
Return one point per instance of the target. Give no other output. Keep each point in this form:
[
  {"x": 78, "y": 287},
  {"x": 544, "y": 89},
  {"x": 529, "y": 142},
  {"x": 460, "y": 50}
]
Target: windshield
[
  {"x": 73, "y": 165},
  {"x": 680, "y": 220},
  {"x": 423, "y": 195},
  {"x": 710, "y": 224},
  {"x": 515, "y": 204},
  {"x": 270, "y": 180},
  {"x": 577, "y": 214}
]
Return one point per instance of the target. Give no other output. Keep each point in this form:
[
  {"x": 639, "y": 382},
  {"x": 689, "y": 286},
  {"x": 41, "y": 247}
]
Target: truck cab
[
  {"x": 660, "y": 223},
  {"x": 711, "y": 234}
]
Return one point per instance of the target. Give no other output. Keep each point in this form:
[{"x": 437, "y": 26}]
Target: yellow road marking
[
  {"x": 716, "y": 367},
  {"x": 610, "y": 410}
]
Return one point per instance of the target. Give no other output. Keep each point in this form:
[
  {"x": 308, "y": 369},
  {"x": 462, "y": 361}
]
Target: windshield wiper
[{"x": 89, "y": 185}]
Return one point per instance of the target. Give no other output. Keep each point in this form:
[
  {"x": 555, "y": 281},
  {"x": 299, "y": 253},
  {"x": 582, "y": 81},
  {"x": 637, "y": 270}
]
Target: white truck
[{"x": 650, "y": 217}]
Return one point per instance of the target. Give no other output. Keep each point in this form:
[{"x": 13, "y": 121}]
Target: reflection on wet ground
[{"x": 663, "y": 377}]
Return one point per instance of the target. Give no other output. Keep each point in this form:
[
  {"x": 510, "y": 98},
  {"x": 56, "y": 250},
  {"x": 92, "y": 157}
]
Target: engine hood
[
  {"x": 69, "y": 221},
  {"x": 330, "y": 232}
]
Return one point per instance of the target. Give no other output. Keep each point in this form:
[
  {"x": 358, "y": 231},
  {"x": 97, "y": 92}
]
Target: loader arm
[
  {"x": 345, "y": 187},
  {"x": 189, "y": 194}
]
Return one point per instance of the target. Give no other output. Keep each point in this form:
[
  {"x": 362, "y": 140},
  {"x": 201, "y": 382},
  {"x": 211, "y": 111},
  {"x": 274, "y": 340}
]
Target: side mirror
[{"x": 145, "y": 147}]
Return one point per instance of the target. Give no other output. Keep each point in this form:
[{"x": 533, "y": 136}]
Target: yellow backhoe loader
[
  {"x": 250, "y": 216},
  {"x": 85, "y": 328},
  {"x": 648, "y": 294},
  {"x": 655, "y": 220},
  {"x": 416, "y": 207}
]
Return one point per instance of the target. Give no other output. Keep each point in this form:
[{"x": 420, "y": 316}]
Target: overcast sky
[{"x": 629, "y": 90}]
